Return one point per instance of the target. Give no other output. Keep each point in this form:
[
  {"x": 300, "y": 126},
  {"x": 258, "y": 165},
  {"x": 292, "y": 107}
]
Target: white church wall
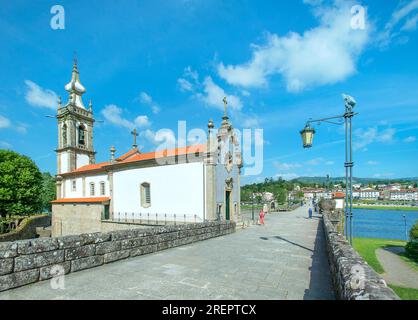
[
  {"x": 78, "y": 191},
  {"x": 70, "y": 192},
  {"x": 82, "y": 160},
  {"x": 175, "y": 189},
  {"x": 97, "y": 179},
  {"x": 64, "y": 162}
]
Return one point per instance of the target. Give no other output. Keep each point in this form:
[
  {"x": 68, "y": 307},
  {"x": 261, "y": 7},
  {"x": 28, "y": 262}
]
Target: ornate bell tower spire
[
  {"x": 75, "y": 128},
  {"x": 75, "y": 88}
]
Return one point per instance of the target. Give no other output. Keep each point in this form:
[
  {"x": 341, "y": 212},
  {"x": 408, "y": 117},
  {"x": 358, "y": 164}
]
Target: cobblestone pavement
[{"x": 286, "y": 259}]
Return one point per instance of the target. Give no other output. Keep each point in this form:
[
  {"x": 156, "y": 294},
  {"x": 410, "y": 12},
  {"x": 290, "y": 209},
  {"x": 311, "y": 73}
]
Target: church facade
[{"x": 187, "y": 184}]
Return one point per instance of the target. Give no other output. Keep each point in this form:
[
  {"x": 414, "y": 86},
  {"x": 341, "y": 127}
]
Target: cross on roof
[{"x": 135, "y": 134}]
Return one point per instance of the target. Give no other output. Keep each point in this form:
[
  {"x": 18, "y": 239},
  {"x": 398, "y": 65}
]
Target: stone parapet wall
[
  {"x": 28, "y": 261},
  {"x": 352, "y": 277}
]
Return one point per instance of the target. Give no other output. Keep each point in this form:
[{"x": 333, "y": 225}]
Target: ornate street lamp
[
  {"x": 307, "y": 138},
  {"x": 307, "y": 134}
]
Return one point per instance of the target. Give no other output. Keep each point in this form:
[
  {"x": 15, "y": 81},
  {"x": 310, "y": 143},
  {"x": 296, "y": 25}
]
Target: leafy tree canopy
[
  {"x": 48, "y": 190},
  {"x": 20, "y": 185}
]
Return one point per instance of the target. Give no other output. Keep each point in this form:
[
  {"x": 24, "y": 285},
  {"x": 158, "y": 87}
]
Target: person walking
[
  {"x": 310, "y": 213},
  {"x": 262, "y": 217}
]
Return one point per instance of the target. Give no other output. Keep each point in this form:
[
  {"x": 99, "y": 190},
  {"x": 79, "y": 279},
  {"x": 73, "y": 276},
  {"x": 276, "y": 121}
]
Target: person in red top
[{"x": 262, "y": 217}]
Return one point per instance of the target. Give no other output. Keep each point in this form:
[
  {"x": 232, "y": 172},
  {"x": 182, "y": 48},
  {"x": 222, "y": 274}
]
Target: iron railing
[{"x": 152, "y": 218}]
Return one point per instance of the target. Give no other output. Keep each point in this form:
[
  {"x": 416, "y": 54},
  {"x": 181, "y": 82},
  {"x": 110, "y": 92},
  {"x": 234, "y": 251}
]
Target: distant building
[
  {"x": 404, "y": 195},
  {"x": 367, "y": 194},
  {"x": 339, "y": 198},
  {"x": 318, "y": 193}
]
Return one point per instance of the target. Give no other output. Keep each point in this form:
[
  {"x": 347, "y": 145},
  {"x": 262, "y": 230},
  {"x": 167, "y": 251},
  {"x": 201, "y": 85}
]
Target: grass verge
[
  {"x": 405, "y": 293},
  {"x": 367, "y": 249}
]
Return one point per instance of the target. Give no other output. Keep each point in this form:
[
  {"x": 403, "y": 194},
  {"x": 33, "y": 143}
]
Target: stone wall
[
  {"x": 27, "y": 228},
  {"x": 29, "y": 261},
  {"x": 352, "y": 277}
]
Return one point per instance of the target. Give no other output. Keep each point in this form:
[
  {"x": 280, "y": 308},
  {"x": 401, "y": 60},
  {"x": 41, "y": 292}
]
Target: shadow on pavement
[{"x": 320, "y": 285}]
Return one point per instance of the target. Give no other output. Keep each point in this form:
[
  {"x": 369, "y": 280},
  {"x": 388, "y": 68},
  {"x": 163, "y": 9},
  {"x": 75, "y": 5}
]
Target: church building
[{"x": 184, "y": 185}]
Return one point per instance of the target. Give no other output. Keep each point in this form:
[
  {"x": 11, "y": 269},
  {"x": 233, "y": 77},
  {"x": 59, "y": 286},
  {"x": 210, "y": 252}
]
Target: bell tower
[{"x": 75, "y": 128}]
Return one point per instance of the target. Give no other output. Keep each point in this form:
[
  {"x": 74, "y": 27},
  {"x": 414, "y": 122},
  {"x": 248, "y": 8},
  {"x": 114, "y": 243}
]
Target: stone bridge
[{"x": 285, "y": 259}]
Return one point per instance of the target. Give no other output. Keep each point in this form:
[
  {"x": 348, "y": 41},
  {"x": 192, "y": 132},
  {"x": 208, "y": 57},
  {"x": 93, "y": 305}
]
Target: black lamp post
[{"x": 308, "y": 134}]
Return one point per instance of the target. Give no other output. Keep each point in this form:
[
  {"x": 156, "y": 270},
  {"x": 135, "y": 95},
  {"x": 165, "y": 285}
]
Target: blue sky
[{"x": 150, "y": 64}]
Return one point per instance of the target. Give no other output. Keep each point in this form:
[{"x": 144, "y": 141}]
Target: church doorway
[
  {"x": 106, "y": 215},
  {"x": 228, "y": 205}
]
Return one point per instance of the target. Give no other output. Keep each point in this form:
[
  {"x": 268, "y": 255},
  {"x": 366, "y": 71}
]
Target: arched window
[
  {"x": 92, "y": 191},
  {"x": 102, "y": 188},
  {"x": 81, "y": 135},
  {"x": 145, "y": 195},
  {"x": 64, "y": 135}
]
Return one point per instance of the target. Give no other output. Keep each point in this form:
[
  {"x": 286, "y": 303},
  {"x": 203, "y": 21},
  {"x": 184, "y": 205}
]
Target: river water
[{"x": 383, "y": 224}]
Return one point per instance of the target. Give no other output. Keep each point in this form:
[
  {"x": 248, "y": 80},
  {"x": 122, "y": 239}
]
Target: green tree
[
  {"x": 281, "y": 196},
  {"x": 20, "y": 185},
  {"x": 48, "y": 191},
  {"x": 412, "y": 246}
]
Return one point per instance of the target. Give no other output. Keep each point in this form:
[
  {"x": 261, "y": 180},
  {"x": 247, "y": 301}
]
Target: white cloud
[
  {"x": 184, "y": 85},
  {"x": 142, "y": 122},
  {"x": 210, "y": 93},
  {"x": 323, "y": 55},
  {"x": 410, "y": 139},
  {"x": 285, "y": 166},
  {"x": 189, "y": 81},
  {"x": 6, "y": 145},
  {"x": 163, "y": 137},
  {"x": 315, "y": 162},
  {"x": 287, "y": 176},
  {"x": 39, "y": 97},
  {"x": 372, "y": 163},
  {"x": 213, "y": 95},
  {"x": 113, "y": 114},
  {"x": 410, "y": 24},
  {"x": 146, "y": 99},
  {"x": 4, "y": 122},
  {"x": 403, "y": 12},
  {"x": 21, "y": 129},
  {"x": 365, "y": 137},
  {"x": 387, "y": 136}
]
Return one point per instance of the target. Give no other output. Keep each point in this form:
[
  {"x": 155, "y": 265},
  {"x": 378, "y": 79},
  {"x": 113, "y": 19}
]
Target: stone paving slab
[{"x": 285, "y": 259}]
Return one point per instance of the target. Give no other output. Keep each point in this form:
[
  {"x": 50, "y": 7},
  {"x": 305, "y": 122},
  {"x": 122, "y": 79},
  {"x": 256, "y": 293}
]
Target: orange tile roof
[
  {"x": 128, "y": 154},
  {"x": 91, "y": 167},
  {"x": 130, "y": 157},
  {"x": 82, "y": 200},
  {"x": 339, "y": 195},
  {"x": 167, "y": 153}
]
